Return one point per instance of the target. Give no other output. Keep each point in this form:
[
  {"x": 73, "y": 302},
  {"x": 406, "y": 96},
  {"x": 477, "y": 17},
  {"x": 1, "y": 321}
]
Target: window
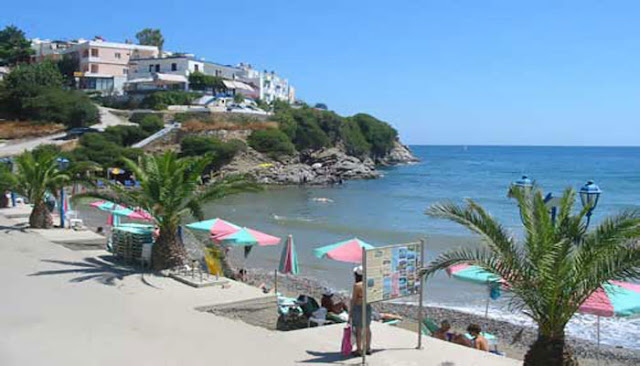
[
  {"x": 94, "y": 52},
  {"x": 151, "y": 68},
  {"x": 196, "y": 67},
  {"x": 94, "y": 69},
  {"x": 118, "y": 55},
  {"x": 85, "y": 53},
  {"x": 158, "y": 68},
  {"x": 125, "y": 71},
  {"x": 174, "y": 67}
]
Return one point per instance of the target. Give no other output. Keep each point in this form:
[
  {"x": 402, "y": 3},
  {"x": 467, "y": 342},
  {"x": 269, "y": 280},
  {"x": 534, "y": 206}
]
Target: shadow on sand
[
  {"x": 22, "y": 227},
  {"x": 334, "y": 357},
  {"x": 104, "y": 269}
]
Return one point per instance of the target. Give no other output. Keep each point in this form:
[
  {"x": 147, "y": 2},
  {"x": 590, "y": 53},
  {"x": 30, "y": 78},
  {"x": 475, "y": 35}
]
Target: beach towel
[{"x": 346, "y": 341}]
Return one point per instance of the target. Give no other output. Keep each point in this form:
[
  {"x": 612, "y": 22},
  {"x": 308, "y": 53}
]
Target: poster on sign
[{"x": 393, "y": 271}]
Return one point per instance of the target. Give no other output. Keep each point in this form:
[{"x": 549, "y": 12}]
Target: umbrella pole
[
  {"x": 275, "y": 286},
  {"x": 486, "y": 308},
  {"x": 598, "y": 349}
]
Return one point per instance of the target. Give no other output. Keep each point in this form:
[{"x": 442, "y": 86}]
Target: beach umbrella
[
  {"x": 475, "y": 274},
  {"x": 215, "y": 226},
  {"x": 106, "y": 206},
  {"x": 247, "y": 237},
  {"x": 614, "y": 298},
  {"x": 133, "y": 214},
  {"x": 289, "y": 258},
  {"x": 349, "y": 251}
]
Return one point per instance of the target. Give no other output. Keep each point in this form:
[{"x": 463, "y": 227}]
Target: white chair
[{"x": 319, "y": 317}]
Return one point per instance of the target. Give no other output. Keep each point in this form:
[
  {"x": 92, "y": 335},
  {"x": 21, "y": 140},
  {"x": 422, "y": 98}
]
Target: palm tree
[
  {"x": 170, "y": 189},
  {"x": 555, "y": 267},
  {"x": 36, "y": 175}
]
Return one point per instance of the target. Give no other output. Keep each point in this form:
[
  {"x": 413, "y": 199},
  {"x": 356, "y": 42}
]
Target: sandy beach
[{"x": 69, "y": 307}]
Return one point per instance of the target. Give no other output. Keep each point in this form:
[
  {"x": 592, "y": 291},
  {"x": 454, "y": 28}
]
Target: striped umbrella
[
  {"x": 349, "y": 251},
  {"x": 614, "y": 298},
  {"x": 247, "y": 237},
  {"x": 214, "y": 226},
  {"x": 289, "y": 258},
  {"x": 133, "y": 214}
]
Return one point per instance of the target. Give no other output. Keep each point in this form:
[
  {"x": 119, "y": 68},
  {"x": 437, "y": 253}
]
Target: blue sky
[{"x": 442, "y": 72}]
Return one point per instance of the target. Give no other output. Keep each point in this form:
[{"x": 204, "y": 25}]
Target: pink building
[{"x": 104, "y": 66}]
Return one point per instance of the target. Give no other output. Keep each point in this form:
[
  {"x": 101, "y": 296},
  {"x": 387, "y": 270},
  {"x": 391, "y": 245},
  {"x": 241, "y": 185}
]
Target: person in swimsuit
[
  {"x": 355, "y": 316},
  {"x": 478, "y": 341}
]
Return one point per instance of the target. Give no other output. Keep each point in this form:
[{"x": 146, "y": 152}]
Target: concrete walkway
[{"x": 64, "y": 307}]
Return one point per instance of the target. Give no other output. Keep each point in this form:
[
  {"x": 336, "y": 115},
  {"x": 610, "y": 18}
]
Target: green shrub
[
  {"x": 137, "y": 117},
  {"x": 354, "y": 141},
  {"x": 160, "y": 100},
  {"x": 379, "y": 134},
  {"x": 71, "y": 108},
  {"x": 151, "y": 124},
  {"x": 97, "y": 148},
  {"x": 222, "y": 151},
  {"x": 272, "y": 142},
  {"x": 125, "y": 135}
]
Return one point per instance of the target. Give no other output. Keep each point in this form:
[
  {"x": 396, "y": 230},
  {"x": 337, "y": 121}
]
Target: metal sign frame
[{"x": 420, "y": 265}]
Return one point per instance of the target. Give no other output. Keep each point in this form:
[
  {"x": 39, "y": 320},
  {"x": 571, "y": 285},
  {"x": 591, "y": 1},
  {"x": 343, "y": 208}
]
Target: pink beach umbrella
[
  {"x": 215, "y": 227},
  {"x": 247, "y": 237},
  {"x": 289, "y": 258},
  {"x": 349, "y": 251}
]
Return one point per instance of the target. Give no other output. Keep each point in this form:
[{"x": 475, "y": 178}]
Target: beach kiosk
[{"x": 389, "y": 273}]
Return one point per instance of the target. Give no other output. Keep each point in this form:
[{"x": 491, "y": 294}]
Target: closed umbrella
[
  {"x": 289, "y": 258},
  {"x": 349, "y": 251}
]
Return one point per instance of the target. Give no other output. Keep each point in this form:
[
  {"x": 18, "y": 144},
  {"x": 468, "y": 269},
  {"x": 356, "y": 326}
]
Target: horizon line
[{"x": 505, "y": 145}]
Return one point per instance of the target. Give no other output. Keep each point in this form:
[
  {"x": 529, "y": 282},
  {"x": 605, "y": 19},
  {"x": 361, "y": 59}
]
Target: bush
[
  {"x": 160, "y": 100},
  {"x": 151, "y": 124},
  {"x": 272, "y": 142},
  {"x": 137, "y": 117},
  {"x": 354, "y": 141},
  {"x": 222, "y": 151},
  {"x": 379, "y": 134},
  {"x": 125, "y": 135},
  {"x": 97, "y": 148},
  {"x": 71, "y": 108}
]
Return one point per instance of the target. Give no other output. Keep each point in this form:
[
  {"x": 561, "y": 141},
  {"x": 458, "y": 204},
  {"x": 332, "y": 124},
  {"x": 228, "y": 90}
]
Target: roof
[
  {"x": 170, "y": 77},
  {"x": 237, "y": 85},
  {"x": 116, "y": 45},
  {"x": 183, "y": 57}
]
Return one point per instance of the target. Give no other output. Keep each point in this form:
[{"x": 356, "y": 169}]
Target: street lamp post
[
  {"x": 63, "y": 164},
  {"x": 589, "y": 196}
]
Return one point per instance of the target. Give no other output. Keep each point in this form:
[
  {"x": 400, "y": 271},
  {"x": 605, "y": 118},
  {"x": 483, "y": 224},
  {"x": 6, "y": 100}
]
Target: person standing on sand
[{"x": 355, "y": 316}]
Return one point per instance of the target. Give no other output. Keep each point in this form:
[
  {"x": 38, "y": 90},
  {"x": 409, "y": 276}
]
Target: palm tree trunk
[
  {"x": 40, "y": 217},
  {"x": 550, "y": 351},
  {"x": 168, "y": 252}
]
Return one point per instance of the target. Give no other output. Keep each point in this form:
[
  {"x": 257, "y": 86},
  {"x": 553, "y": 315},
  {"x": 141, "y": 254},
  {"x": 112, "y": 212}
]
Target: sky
[{"x": 472, "y": 72}]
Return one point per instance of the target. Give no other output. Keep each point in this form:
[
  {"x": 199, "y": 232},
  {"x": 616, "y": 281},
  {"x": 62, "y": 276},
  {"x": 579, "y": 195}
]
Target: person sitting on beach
[
  {"x": 355, "y": 315},
  {"x": 477, "y": 340},
  {"x": 443, "y": 332},
  {"x": 242, "y": 273},
  {"x": 331, "y": 306}
]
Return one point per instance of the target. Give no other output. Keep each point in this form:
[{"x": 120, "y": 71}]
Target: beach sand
[{"x": 70, "y": 307}]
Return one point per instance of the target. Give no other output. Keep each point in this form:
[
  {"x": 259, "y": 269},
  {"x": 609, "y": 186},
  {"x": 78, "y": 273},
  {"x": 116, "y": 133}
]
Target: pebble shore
[{"x": 515, "y": 339}]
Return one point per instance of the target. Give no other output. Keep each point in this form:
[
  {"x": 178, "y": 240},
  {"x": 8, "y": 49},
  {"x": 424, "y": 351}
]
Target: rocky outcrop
[
  {"x": 327, "y": 166},
  {"x": 399, "y": 154}
]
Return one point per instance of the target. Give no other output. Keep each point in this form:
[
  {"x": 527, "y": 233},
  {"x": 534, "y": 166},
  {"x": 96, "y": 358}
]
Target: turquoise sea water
[{"x": 391, "y": 210}]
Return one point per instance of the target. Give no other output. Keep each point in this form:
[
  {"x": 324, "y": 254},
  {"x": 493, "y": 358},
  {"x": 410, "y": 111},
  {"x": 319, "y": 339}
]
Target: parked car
[{"x": 75, "y": 133}]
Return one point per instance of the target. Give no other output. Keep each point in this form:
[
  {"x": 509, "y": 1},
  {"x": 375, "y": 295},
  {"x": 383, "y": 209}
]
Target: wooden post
[
  {"x": 363, "y": 327},
  {"x": 420, "y": 305},
  {"x": 275, "y": 286}
]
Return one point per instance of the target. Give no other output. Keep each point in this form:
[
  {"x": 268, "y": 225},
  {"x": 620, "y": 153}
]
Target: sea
[{"x": 391, "y": 210}]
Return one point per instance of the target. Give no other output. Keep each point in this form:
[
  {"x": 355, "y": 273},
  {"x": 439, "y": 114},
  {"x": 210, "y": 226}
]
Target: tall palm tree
[
  {"x": 36, "y": 175},
  {"x": 170, "y": 188},
  {"x": 555, "y": 267}
]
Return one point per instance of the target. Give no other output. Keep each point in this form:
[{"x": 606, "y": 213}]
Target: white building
[
  {"x": 46, "y": 49},
  {"x": 3, "y": 72},
  {"x": 172, "y": 72}
]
